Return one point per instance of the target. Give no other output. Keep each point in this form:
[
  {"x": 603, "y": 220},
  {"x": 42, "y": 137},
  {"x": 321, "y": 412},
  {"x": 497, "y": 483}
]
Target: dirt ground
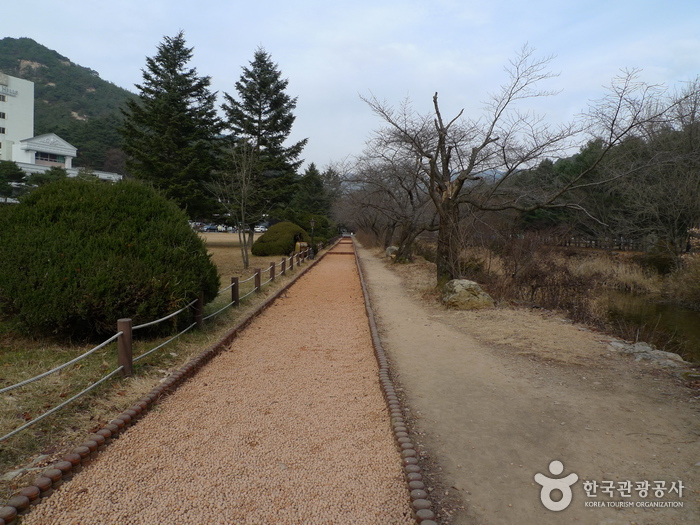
[{"x": 495, "y": 396}]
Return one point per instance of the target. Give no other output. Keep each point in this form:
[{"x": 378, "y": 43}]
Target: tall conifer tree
[
  {"x": 170, "y": 132},
  {"x": 263, "y": 117}
]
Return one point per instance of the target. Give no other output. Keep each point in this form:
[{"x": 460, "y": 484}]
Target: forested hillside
[{"x": 69, "y": 100}]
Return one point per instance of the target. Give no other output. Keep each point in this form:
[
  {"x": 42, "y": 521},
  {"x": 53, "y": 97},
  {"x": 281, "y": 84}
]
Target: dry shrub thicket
[
  {"x": 684, "y": 284},
  {"x": 521, "y": 269}
]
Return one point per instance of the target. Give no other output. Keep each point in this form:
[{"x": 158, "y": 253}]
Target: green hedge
[
  {"x": 279, "y": 240},
  {"x": 79, "y": 254}
]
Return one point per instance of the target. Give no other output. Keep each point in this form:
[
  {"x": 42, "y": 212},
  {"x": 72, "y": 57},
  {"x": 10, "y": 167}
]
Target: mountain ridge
[{"x": 70, "y": 100}]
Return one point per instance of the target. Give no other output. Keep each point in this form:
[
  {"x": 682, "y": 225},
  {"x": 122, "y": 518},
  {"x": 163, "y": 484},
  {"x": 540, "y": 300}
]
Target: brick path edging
[{"x": 421, "y": 504}]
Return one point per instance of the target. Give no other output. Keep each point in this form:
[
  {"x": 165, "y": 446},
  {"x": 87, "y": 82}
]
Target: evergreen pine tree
[
  {"x": 264, "y": 117},
  {"x": 10, "y": 175},
  {"x": 169, "y": 133},
  {"x": 311, "y": 196}
]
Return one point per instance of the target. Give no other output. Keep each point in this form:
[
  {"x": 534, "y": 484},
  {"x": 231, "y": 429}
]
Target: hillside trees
[
  {"x": 661, "y": 202},
  {"x": 468, "y": 163},
  {"x": 646, "y": 189},
  {"x": 170, "y": 132},
  {"x": 70, "y": 100}
]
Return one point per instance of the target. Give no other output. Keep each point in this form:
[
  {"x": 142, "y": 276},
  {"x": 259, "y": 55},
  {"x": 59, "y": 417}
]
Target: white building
[
  {"x": 17, "y": 140},
  {"x": 44, "y": 150},
  {"x": 16, "y": 113}
]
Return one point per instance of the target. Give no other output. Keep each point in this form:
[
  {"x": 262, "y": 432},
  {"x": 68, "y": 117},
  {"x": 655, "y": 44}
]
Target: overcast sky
[{"x": 333, "y": 52}]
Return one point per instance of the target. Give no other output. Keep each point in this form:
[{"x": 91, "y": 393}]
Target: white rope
[
  {"x": 217, "y": 312},
  {"x": 162, "y": 344},
  {"x": 227, "y": 288},
  {"x": 144, "y": 325},
  {"x": 61, "y": 367},
  {"x": 248, "y": 279},
  {"x": 55, "y": 409},
  {"x": 246, "y": 295}
]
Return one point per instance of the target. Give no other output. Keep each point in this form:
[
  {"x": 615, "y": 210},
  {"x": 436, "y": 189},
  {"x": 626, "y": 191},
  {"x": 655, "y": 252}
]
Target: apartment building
[{"x": 17, "y": 140}]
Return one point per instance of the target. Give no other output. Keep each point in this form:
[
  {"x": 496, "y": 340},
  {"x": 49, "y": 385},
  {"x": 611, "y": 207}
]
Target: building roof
[{"x": 49, "y": 143}]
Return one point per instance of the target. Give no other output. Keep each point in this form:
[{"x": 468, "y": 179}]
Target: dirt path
[
  {"x": 497, "y": 395},
  {"x": 287, "y": 426}
]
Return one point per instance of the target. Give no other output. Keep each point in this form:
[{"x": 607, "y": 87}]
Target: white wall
[{"x": 18, "y": 108}]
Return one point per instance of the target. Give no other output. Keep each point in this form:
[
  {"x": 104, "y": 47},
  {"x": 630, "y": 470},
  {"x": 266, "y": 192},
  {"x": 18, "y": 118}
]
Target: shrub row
[{"x": 280, "y": 239}]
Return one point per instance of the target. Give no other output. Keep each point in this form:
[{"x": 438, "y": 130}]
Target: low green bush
[
  {"x": 280, "y": 240},
  {"x": 77, "y": 255}
]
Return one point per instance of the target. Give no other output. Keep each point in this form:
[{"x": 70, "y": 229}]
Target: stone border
[
  {"x": 421, "y": 504},
  {"x": 54, "y": 476}
]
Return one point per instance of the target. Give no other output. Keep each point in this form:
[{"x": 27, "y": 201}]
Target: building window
[
  {"x": 2, "y": 98},
  {"x": 2, "y": 115},
  {"x": 49, "y": 157},
  {"x": 2, "y": 131}
]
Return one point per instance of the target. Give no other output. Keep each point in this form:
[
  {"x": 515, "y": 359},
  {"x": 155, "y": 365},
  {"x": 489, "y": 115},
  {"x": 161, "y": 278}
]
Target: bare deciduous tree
[
  {"x": 234, "y": 188},
  {"x": 391, "y": 185},
  {"x": 661, "y": 201},
  {"x": 470, "y": 162}
]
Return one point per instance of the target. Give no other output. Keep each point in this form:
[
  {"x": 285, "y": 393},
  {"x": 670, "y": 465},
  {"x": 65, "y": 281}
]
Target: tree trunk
[
  {"x": 243, "y": 241},
  {"x": 448, "y": 244},
  {"x": 389, "y": 235},
  {"x": 407, "y": 237}
]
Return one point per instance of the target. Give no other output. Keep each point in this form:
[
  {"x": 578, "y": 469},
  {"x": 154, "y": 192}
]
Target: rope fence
[
  {"x": 169, "y": 316},
  {"x": 61, "y": 367},
  {"x": 125, "y": 329},
  {"x": 149, "y": 352},
  {"x": 58, "y": 407}
]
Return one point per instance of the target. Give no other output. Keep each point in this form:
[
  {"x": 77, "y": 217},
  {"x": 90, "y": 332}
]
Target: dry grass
[
  {"x": 618, "y": 274},
  {"x": 22, "y": 358}
]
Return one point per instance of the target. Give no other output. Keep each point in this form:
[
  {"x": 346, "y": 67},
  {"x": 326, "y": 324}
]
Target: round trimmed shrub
[
  {"x": 77, "y": 255},
  {"x": 279, "y": 239}
]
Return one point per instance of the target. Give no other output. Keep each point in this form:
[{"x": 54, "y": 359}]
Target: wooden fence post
[
  {"x": 272, "y": 271},
  {"x": 257, "y": 280},
  {"x": 284, "y": 260},
  {"x": 124, "y": 350},
  {"x": 234, "y": 291},
  {"x": 199, "y": 310}
]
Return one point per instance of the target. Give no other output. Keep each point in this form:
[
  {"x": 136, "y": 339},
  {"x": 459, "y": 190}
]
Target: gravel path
[{"x": 286, "y": 426}]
